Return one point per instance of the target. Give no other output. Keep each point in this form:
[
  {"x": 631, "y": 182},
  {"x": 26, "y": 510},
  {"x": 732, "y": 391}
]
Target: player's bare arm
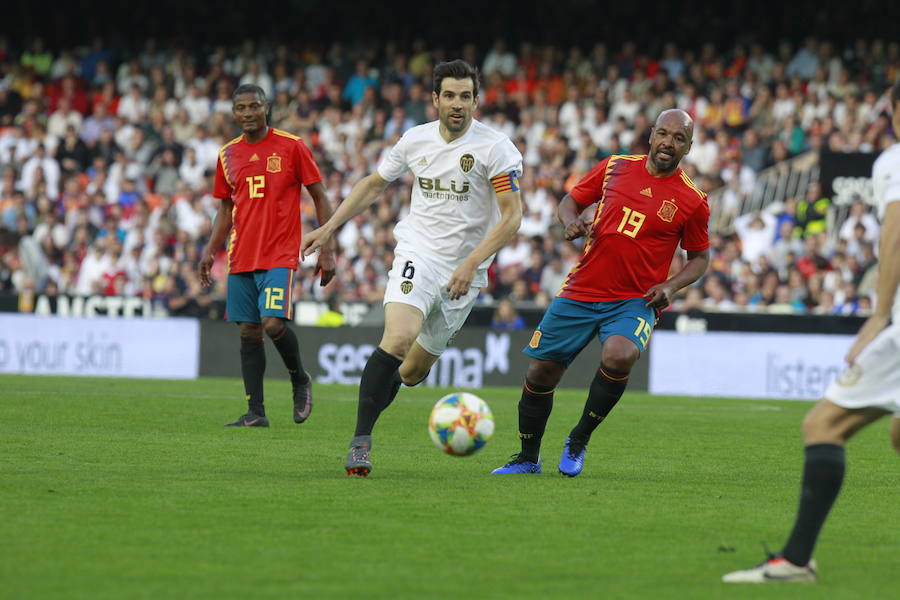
[
  {"x": 510, "y": 220},
  {"x": 888, "y": 280},
  {"x": 221, "y": 227},
  {"x": 325, "y": 264},
  {"x": 569, "y": 214},
  {"x": 660, "y": 295},
  {"x": 361, "y": 197}
]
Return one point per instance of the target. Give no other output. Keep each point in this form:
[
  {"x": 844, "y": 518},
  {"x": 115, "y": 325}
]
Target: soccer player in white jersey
[
  {"x": 465, "y": 206},
  {"x": 868, "y": 390}
]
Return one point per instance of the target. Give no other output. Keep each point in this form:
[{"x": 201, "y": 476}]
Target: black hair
[
  {"x": 456, "y": 69},
  {"x": 895, "y": 94},
  {"x": 249, "y": 88}
]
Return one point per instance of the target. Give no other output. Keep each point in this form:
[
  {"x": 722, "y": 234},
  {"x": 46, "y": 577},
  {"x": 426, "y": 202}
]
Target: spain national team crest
[
  {"x": 466, "y": 162},
  {"x": 273, "y": 164},
  {"x": 667, "y": 210},
  {"x": 406, "y": 287}
]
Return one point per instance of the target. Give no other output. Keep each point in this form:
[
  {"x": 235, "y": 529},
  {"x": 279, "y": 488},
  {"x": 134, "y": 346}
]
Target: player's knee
[
  {"x": 820, "y": 426},
  {"x": 251, "y": 330},
  {"x": 619, "y": 359},
  {"x": 619, "y": 355},
  {"x": 895, "y": 439},
  {"x": 396, "y": 345},
  {"x": 813, "y": 426},
  {"x": 620, "y": 364},
  {"x": 414, "y": 377},
  {"x": 544, "y": 372},
  {"x": 273, "y": 327}
]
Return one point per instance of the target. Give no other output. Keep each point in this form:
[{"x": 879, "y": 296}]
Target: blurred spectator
[
  {"x": 506, "y": 318},
  {"x": 859, "y": 215},
  {"x": 82, "y": 166},
  {"x": 756, "y": 232}
]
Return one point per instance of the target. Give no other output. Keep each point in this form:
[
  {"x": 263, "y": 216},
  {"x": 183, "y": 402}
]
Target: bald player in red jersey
[
  {"x": 645, "y": 207},
  {"x": 259, "y": 177}
]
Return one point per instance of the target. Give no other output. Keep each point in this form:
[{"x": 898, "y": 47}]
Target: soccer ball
[{"x": 461, "y": 423}]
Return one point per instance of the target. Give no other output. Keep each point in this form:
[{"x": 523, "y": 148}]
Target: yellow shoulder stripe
[
  {"x": 283, "y": 133},
  {"x": 687, "y": 181},
  {"x": 234, "y": 141}
]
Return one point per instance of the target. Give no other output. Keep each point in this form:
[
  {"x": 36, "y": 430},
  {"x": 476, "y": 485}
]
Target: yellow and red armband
[{"x": 505, "y": 182}]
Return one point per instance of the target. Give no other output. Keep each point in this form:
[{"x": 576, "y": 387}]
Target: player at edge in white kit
[
  {"x": 465, "y": 206},
  {"x": 867, "y": 390}
]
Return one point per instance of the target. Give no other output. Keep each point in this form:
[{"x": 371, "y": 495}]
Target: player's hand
[
  {"x": 461, "y": 280},
  {"x": 660, "y": 296},
  {"x": 313, "y": 240},
  {"x": 204, "y": 267},
  {"x": 871, "y": 328},
  {"x": 325, "y": 265},
  {"x": 577, "y": 229}
]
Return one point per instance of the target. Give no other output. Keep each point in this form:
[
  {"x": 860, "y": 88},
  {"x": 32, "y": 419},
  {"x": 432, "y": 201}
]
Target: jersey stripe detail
[
  {"x": 687, "y": 181},
  {"x": 223, "y": 158},
  {"x": 286, "y": 134},
  {"x": 588, "y": 242},
  {"x": 290, "y": 296},
  {"x": 232, "y": 240}
]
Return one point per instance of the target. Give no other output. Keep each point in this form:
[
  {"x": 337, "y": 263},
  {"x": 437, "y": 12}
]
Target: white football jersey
[
  {"x": 886, "y": 189},
  {"x": 453, "y": 204}
]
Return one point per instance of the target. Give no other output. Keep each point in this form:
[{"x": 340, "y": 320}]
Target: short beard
[
  {"x": 660, "y": 167},
  {"x": 450, "y": 127}
]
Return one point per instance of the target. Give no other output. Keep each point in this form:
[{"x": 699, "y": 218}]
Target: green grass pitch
[{"x": 133, "y": 489}]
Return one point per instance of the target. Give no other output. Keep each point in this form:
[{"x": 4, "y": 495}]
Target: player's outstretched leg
[
  {"x": 535, "y": 406},
  {"x": 606, "y": 389},
  {"x": 253, "y": 368},
  {"x": 823, "y": 473},
  {"x": 826, "y": 429},
  {"x": 285, "y": 341},
  {"x": 376, "y": 385}
]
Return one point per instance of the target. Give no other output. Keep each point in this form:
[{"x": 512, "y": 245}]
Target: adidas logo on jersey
[
  {"x": 254, "y": 157},
  {"x": 423, "y": 162},
  {"x": 647, "y": 192}
]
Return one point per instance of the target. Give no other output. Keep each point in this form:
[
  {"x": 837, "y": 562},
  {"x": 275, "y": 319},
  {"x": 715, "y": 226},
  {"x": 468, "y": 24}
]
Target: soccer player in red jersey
[
  {"x": 258, "y": 179},
  {"x": 646, "y": 206}
]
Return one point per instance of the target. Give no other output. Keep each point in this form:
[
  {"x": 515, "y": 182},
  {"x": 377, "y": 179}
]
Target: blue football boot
[
  {"x": 572, "y": 460},
  {"x": 518, "y": 464}
]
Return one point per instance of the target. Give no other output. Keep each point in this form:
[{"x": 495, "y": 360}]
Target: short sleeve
[
  {"x": 222, "y": 188},
  {"x": 504, "y": 167},
  {"x": 589, "y": 189},
  {"x": 504, "y": 158},
  {"x": 306, "y": 168},
  {"x": 892, "y": 191},
  {"x": 394, "y": 164},
  {"x": 695, "y": 237}
]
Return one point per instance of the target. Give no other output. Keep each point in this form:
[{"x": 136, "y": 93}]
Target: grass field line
[{"x": 115, "y": 488}]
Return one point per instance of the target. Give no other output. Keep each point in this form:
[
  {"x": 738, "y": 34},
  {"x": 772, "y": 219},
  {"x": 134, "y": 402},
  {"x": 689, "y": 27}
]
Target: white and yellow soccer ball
[{"x": 461, "y": 423}]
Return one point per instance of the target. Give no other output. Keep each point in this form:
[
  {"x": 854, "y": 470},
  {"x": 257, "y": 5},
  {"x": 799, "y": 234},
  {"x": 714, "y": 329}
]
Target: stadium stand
[{"x": 107, "y": 155}]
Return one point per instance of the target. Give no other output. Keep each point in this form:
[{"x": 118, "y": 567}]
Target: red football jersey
[
  {"x": 264, "y": 181},
  {"x": 638, "y": 223}
]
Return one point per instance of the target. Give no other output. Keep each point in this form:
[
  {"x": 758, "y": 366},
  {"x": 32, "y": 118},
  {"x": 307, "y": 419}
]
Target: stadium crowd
[{"x": 107, "y": 158}]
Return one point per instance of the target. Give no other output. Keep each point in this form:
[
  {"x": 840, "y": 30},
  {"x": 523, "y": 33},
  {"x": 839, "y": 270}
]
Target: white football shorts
[
  {"x": 874, "y": 379},
  {"x": 422, "y": 284}
]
